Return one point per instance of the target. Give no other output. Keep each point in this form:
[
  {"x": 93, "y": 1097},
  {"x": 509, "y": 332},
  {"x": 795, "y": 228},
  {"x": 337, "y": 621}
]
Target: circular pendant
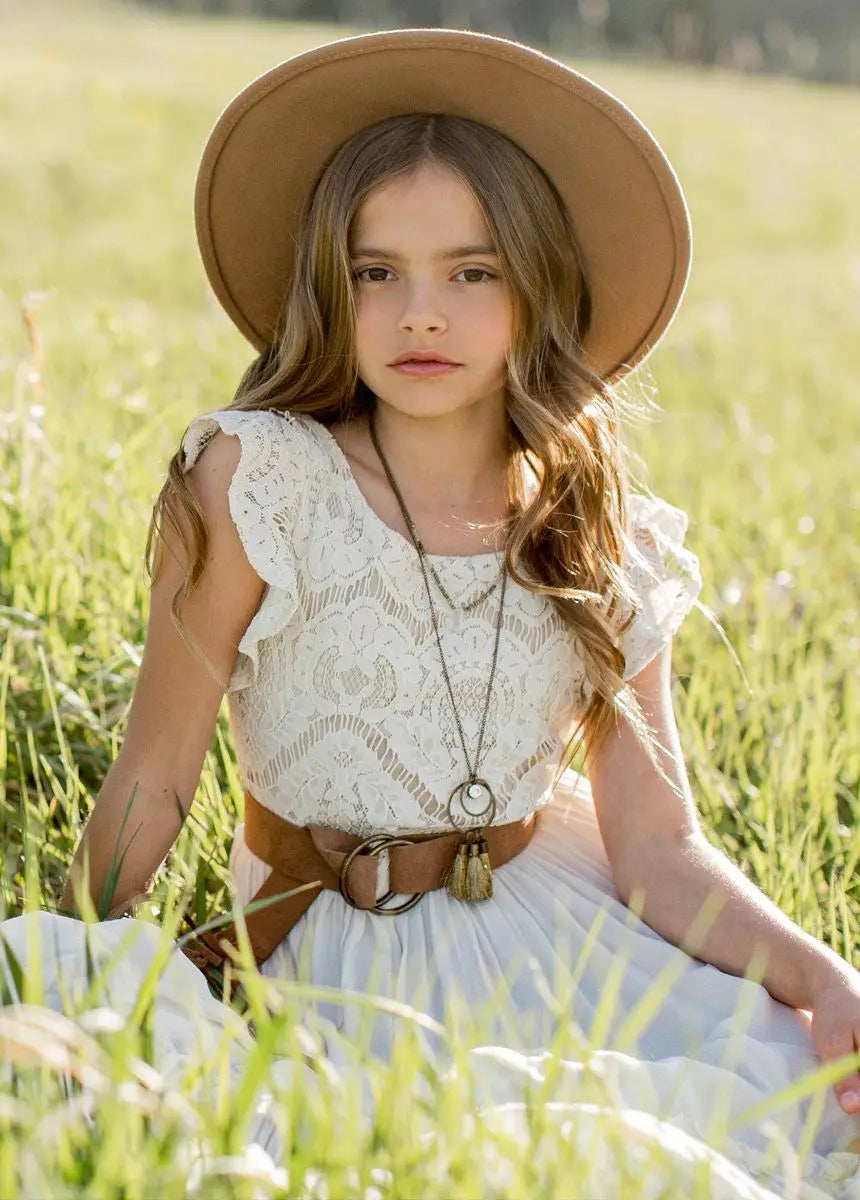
[{"x": 474, "y": 791}]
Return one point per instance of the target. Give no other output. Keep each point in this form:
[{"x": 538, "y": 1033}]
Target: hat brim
[{"x": 268, "y": 146}]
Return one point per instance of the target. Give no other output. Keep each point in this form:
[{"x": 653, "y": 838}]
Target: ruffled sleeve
[
  {"x": 266, "y": 500},
  {"x": 665, "y": 575}
]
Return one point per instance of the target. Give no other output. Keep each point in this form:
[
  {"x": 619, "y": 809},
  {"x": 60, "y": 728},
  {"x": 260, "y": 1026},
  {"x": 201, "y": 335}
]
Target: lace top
[{"x": 338, "y": 707}]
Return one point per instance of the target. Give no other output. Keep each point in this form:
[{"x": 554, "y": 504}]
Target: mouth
[
  {"x": 423, "y": 355},
  {"x": 424, "y": 366}
]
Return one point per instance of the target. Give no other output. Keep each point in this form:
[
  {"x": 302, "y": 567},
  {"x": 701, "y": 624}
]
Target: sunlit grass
[
  {"x": 110, "y": 341},
  {"x": 238, "y": 1112}
]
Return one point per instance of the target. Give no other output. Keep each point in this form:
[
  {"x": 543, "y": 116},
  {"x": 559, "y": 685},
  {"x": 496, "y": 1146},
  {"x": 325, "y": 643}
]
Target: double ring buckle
[{"x": 372, "y": 846}]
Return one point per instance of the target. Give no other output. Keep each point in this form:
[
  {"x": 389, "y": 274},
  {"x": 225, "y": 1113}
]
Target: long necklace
[
  {"x": 419, "y": 545},
  {"x": 487, "y": 592},
  {"x": 470, "y": 876}
]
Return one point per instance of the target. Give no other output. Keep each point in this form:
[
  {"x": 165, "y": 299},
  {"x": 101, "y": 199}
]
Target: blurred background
[
  {"x": 111, "y": 341},
  {"x": 814, "y": 39}
]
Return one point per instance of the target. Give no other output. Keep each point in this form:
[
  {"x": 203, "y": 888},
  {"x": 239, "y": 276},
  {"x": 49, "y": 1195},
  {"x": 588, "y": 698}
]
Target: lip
[
  {"x": 430, "y": 367},
  {"x": 422, "y": 356}
]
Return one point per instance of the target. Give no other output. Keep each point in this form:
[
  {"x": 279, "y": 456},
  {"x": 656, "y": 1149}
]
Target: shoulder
[
  {"x": 256, "y": 466},
  {"x": 249, "y": 436},
  {"x": 651, "y": 517},
  {"x": 657, "y": 539},
  {"x": 664, "y": 574},
  {"x": 258, "y": 456}
]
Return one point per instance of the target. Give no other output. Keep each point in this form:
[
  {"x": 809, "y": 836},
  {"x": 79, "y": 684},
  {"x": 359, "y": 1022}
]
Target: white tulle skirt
[{"x": 554, "y": 927}]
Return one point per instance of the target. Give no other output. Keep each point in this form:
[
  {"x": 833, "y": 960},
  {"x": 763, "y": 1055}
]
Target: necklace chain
[
  {"x": 472, "y": 603},
  {"x": 419, "y": 545},
  {"x": 473, "y": 771}
]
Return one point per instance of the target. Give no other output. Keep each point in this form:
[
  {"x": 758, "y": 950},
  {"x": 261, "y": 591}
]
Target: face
[{"x": 416, "y": 289}]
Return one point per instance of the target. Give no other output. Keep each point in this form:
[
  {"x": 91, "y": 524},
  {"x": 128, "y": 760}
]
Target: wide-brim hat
[{"x": 269, "y": 145}]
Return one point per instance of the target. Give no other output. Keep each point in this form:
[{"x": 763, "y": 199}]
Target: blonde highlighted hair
[{"x": 565, "y": 536}]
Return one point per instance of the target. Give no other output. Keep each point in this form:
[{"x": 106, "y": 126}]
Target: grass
[{"x": 110, "y": 341}]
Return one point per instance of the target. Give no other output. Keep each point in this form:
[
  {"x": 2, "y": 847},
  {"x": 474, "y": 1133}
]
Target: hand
[{"x": 835, "y": 1029}]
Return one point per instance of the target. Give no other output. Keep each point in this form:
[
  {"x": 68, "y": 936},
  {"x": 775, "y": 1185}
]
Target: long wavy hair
[{"x": 565, "y": 535}]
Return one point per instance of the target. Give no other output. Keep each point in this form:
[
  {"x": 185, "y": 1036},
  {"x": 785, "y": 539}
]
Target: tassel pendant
[{"x": 470, "y": 876}]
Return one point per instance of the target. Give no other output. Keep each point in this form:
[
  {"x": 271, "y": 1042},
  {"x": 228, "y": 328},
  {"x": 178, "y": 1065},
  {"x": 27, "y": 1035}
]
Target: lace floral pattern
[{"x": 338, "y": 706}]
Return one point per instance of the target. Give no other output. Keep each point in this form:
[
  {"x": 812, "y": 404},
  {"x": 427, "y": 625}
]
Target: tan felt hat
[{"x": 268, "y": 147}]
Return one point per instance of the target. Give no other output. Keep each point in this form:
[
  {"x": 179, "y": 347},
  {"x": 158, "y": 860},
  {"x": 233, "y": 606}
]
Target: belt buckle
[{"x": 372, "y": 845}]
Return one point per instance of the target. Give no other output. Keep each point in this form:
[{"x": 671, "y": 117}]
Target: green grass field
[{"x": 110, "y": 341}]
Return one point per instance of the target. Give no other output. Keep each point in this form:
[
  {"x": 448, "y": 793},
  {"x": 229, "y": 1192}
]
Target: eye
[
  {"x": 358, "y": 274},
  {"x": 477, "y": 271}
]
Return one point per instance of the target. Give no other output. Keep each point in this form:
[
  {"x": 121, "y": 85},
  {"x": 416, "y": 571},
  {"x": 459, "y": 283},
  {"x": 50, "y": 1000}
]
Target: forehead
[{"x": 431, "y": 206}]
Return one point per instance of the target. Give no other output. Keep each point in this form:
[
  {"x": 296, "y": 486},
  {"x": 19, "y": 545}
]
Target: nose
[{"x": 421, "y": 312}]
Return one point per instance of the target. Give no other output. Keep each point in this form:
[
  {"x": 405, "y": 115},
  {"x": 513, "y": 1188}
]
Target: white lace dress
[{"x": 340, "y": 716}]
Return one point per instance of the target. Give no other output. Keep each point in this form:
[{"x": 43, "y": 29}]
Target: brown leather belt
[{"x": 326, "y": 857}]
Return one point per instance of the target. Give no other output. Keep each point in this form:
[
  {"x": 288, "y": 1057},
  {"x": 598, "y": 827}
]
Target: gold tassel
[
  {"x": 455, "y": 878},
  {"x": 470, "y": 876}
]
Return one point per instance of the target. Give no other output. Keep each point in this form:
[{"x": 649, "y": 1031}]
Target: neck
[{"x": 460, "y": 457}]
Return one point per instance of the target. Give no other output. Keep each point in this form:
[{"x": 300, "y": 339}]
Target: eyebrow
[{"x": 454, "y": 252}]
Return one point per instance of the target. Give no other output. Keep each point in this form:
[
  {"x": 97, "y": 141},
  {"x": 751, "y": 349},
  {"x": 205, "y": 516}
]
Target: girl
[{"x": 409, "y": 551}]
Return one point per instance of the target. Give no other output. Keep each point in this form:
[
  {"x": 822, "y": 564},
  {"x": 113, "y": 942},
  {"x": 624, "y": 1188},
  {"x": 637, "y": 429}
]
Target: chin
[{"x": 429, "y": 404}]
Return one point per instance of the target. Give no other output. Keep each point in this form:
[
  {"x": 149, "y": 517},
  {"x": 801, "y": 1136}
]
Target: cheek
[
  {"x": 499, "y": 323},
  {"x": 366, "y": 322},
  {"x": 371, "y": 312},
  {"x": 497, "y": 309}
]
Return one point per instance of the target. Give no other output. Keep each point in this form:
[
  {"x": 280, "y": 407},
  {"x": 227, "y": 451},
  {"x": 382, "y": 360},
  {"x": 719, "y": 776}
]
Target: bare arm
[
  {"x": 666, "y": 869},
  {"x": 176, "y": 700}
]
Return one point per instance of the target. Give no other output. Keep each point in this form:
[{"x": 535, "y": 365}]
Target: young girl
[{"x": 409, "y": 551}]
